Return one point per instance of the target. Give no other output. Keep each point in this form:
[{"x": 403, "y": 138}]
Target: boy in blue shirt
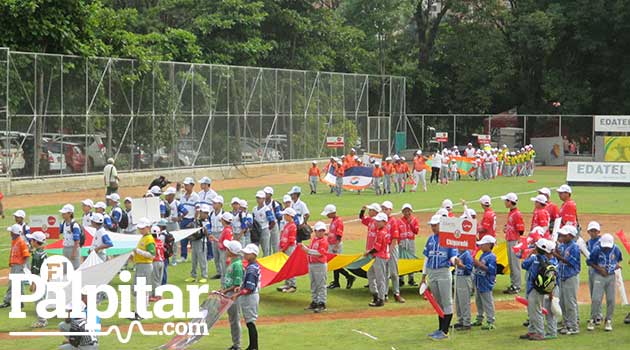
[
  {"x": 568, "y": 255},
  {"x": 604, "y": 259},
  {"x": 594, "y": 231},
  {"x": 463, "y": 289},
  {"x": 485, "y": 274}
]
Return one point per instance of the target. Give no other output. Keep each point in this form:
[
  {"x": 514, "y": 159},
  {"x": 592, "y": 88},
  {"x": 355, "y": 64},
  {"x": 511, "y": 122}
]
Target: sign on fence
[
  {"x": 598, "y": 172},
  {"x": 334, "y": 142},
  {"x": 483, "y": 139},
  {"x": 612, "y": 123},
  {"x": 460, "y": 233},
  {"x": 441, "y": 136}
]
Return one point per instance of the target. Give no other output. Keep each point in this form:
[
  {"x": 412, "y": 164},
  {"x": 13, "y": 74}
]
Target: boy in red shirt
[
  {"x": 489, "y": 220},
  {"x": 393, "y": 238},
  {"x": 17, "y": 259},
  {"x": 287, "y": 245},
  {"x": 313, "y": 176},
  {"x": 513, "y": 230},
  {"x": 226, "y": 235},
  {"x": 540, "y": 218},
  {"x": 158, "y": 263},
  {"x": 377, "y": 274},
  {"x": 568, "y": 210},
  {"x": 317, "y": 267},
  {"x": 409, "y": 227},
  {"x": 335, "y": 245}
]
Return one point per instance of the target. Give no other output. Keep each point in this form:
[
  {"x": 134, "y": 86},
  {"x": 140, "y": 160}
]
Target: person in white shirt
[
  {"x": 263, "y": 217},
  {"x": 187, "y": 212},
  {"x": 131, "y": 227},
  {"x": 436, "y": 164},
  {"x": 300, "y": 208},
  {"x": 216, "y": 227},
  {"x": 469, "y": 151},
  {"x": 206, "y": 194},
  {"x": 110, "y": 177},
  {"x": 87, "y": 206},
  {"x": 101, "y": 240},
  {"x": 274, "y": 229},
  {"x": 173, "y": 220}
]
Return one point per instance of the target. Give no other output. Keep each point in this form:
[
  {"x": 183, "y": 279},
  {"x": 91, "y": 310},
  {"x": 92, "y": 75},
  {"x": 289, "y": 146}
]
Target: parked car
[
  {"x": 75, "y": 158},
  {"x": 55, "y": 153},
  {"x": 11, "y": 155},
  {"x": 95, "y": 150}
]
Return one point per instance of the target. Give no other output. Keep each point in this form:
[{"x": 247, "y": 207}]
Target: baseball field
[{"x": 349, "y": 323}]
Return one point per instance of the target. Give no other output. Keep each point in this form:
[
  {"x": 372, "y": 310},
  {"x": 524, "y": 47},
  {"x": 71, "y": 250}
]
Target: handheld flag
[
  {"x": 427, "y": 294},
  {"x": 524, "y": 301}
]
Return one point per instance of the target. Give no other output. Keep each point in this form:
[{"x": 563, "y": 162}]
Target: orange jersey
[
  {"x": 419, "y": 163},
  {"x": 388, "y": 168},
  {"x": 313, "y": 171},
  {"x": 19, "y": 252},
  {"x": 378, "y": 172},
  {"x": 339, "y": 170}
]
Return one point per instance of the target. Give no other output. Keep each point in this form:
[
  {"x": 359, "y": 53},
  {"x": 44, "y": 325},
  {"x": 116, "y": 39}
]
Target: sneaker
[
  {"x": 536, "y": 337},
  {"x": 412, "y": 283},
  {"x": 563, "y": 331},
  {"x": 525, "y": 336},
  {"x": 290, "y": 290},
  {"x": 234, "y": 347},
  {"x": 439, "y": 336},
  {"x": 463, "y": 328},
  {"x": 608, "y": 326},
  {"x": 401, "y": 282},
  {"x": 399, "y": 299},
  {"x": 215, "y": 277},
  {"x": 627, "y": 319},
  {"x": 39, "y": 324},
  {"x": 281, "y": 289},
  {"x": 526, "y": 323},
  {"x": 320, "y": 308},
  {"x": 573, "y": 331},
  {"x": 203, "y": 280},
  {"x": 433, "y": 333},
  {"x": 312, "y": 306},
  {"x": 5, "y": 305},
  {"x": 477, "y": 323},
  {"x": 334, "y": 285},
  {"x": 377, "y": 303},
  {"x": 350, "y": 282},
  {"x": 488, "y": 327},
  {"x": 590, "y": 326},
  {"x": 458, "y": 325},
  {"x": 174, "y": 263},
  {"x": 598, "y": 320}
]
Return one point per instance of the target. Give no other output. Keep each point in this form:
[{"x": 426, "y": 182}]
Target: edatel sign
[
  {"x": 612, "y": 123},
  {"x": 48, "y": 224},
  {"x": 598, "y": 172},
  {"x": 334, "y": 142},
  {"x": 441, "y": 136},
  {"x": 483, "y": 139},
  {"x": 460, "y": 233}
]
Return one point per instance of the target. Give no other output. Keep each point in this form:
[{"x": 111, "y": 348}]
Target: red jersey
[
  {"x": 287, "y": 236},
  {"x": 388, "y": 168},
  {"x": 371, "y": 234},
  {"x": 409, "y": 228},
  {"x": 321, "y": 245},
  {"x": 568, "y": 213},
  {"x": 159, "y": 250},
  {"x": 339, "y": 170},
  {"x": 553, "y": 210},
  {"x": 377, "y": 172},
  {"x": 515, "y": 225},
  {"x": 226, "y": 234},
  {"x": 488, "y": 224},
  {"x": 313, "y": 171},
  {"x": 381, "y": 244},
  {"x": 404, "y": 168},
  {"x": 540, "y": 218},
  {"x": 392, "y": 230},
  {"x": 19, "y": 252},
  {"x": 419, "y": 164},
  {"x": 335, "y": 230}
]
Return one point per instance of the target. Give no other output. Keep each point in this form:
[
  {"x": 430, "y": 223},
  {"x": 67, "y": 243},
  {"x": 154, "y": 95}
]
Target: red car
[{"x": 75, "y": 158}]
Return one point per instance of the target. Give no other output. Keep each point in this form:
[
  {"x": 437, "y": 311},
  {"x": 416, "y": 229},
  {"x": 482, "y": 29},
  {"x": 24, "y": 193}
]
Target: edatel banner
[
  {"x": 612, "y": 123},
  {"x": 598, "y": 172},
  {"x": 459, "y": 233}
]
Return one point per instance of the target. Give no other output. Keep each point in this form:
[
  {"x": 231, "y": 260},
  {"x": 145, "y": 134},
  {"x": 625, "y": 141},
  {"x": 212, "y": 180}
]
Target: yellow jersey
[{"x": 144, "y": 244}]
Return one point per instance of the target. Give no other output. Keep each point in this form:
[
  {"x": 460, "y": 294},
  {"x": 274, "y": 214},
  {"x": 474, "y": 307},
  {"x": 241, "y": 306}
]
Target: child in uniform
[
  {"x": 317, "y": 267},
  {"x": 313, "y": 176},
  {"x": 485, "y": 278},
  {"x": 463, "y": 289},
  {"x": 230, "y": 285},
  {"x": 17, "y": 259},
  {"x": 604, "y": 259},
  {"x": 247, "y": 294},
  {"x": 158, "y": 262},
  {"x": 377, "y": 274},
  {"x": 568, "y": 255},
  {"x": 38, "y": 239}
]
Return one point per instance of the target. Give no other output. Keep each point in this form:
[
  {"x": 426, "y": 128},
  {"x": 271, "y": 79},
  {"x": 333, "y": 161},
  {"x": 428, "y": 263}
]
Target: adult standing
[
  {"x": 110, "y": 177},
  {"x": 187, "y": 212},
  {"x": 436, "y": 163},
  {"x": 419, "y": 171},
  {"x": 301, "y": 210},
  {"x": 513, "y": 230},
  {"x": 274, "y": 229}
]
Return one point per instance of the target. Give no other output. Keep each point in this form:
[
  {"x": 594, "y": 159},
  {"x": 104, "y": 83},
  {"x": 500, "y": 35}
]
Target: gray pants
[
  {"x": 249, "y": 306},
  {"x": 552, "y": 322},
  {"x": 515, "y": 265},
  {"x": 274, "y": 239},
  {"x": 377, "y": 185},
  {"x": 265, "y": 241},
  {"x": 318, "y": 273},
  {"x": 410, "y": 246},
  {"x": 312, "y": 181},
  {"x": 245, "y": 239},
  {"x": 14, "y": 269},
  {"x": 291, "y": 282},
  {"x": 443, "y": 173},
  {"x": 216, "y": 256},
  {"x": 338, "y": 185},
  {"x": 568, "y": 301},
  {"x": 401, "y": 182},
  {"x": 485, "y": 306},
  {"x": 534, "y": 312},
  {"x": 441, "y": 285},
  {"x": 234, "y": 316},
  {"x": 463, "y": 290},
  {"x": 76, "y": 262},
  {"x": 156, "y": 275},
  {"x": 591, "y": 278},
  {"x": 420, "y": 177},
  {"x": 387, "y": 183},
  {"x": 199, "y": 257},
  {"x": 377, "y": 279},
  {"x": 603, "y": 285},
  {"x": 223, "y": 266},
  {"x": 142, "y": 270},
  {"x": 392, "y": 271}
]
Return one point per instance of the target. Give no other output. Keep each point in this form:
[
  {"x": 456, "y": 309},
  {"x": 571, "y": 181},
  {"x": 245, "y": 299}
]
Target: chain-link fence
[{"x": 67, "y": 114}]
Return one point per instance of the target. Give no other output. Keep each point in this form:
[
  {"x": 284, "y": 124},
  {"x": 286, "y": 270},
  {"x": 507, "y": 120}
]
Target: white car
[
  {"x": 11, "y": 153},
  {"x": 56, "y": 157}
]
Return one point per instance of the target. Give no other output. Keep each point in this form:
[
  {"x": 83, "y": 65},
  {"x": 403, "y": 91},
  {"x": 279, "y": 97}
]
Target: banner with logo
[
  {"x": 617, "y": 148},
  {"x": 483, "y": 139},
  {"x": 598, "y": 172},
  {"x": 354, "y": 178},
  {"x": 49, "y": 224},
  {"x": 441, "y": 136},
  {"x": 459, "y": 233},
  {"x": 612, "y": 123},
  {"x": 334, "y": 142}
]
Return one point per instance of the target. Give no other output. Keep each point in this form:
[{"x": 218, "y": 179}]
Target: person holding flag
[{"x": 335, "y": 245}]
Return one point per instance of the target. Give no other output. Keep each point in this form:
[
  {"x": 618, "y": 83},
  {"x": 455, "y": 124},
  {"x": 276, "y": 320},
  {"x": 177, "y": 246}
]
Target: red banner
[{"x": 459, "y": 233}]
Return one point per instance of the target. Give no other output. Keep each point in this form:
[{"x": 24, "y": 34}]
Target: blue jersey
[
  {"x": 276, "y": 208},
  {"x": 571, "y": 252},
  {"x": 437, "y": 257},
  {"x": 485, "y": 280},
  {"x": 107, "y": 221},
  {"x": 532, "y": 264},
  {"x": 116, "y": 215},
  {"x": 251, "y": 281},
  {"x": 467, "y": 260},
  {"x": 592, "y": 243},
  {"x": 608, "y": 258},
  {"x": 163, "y": 209}
]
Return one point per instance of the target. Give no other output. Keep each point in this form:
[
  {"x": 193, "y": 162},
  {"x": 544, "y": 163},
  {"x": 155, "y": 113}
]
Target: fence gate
[{"x": 378, "y": 135}]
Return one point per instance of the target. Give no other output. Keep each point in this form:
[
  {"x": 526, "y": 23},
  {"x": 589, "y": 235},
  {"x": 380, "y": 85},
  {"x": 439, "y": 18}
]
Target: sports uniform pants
[
  {"x": 142, "y": 270},
  {"x": 377, "y": 185},
  {"x": 444, "y": 173},
  {"x": 265, "y": 244},
  {"x": 76, "y": 261},
  {"x": 420, "y": 177},
  {"x": 603, "y": 285},
  {"x": 402, "y": 182},
  {"x": 515, "y": 265},
  {"x": 485, "y": 306},
  {"x": 317, "y": 272},
  {"x": 463, "y": 289},
  {"x": 435, "y": 174},
  {"x": 377, "y": 279},
  {"x": 249, "y": 306},
  {"x": 591, "y": 278},
  {"x": 387, "y": 183},
  {"x": 410, "y": 246},
  {"x": 17, "y": 269},
  {"x": 156, "y": 275},
  {"x": 274, "y": 239},
  {"x": 552, "y": 322},
  {"x": 216, "y": 256},
  {"x": 234, "y": 317},
  {"x": 170, "y": 227},
  {"x": 568, "y": 301},
  {"x": 291, "y": 282},
  {"x": 200, "y": 258},
  {"x": 167, "y": 261},
  {"x": 392, "y": 271},
  {"x": 186, "y": 223},
  {"x": 312, "y": 181},
  {"x": 534, "y": 312},
  {"x": 338, "y": 185},
  {"x": 338, "y": 249},
  {"x": 441, "y": 285}
]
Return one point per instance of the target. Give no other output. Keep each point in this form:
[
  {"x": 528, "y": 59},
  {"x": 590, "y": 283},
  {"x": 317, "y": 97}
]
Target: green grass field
[{"x": 395, "y": 332}]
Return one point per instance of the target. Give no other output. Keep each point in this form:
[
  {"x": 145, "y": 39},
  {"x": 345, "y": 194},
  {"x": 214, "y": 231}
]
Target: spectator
[{"x": 110, "y": 177}]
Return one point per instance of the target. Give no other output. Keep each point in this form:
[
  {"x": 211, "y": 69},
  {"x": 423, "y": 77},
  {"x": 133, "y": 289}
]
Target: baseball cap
[
  {"x": 295, "y": 189},
  {"x": 545, "y": 244},
  {"x": 485, "y": 200},
  {"x": 204, "y": 208},
  {"x": 387, "y": 205},
  {"x": 39, "y": 236},
  {"x": 227, "y": 217},
  {"x": 470, "y": 212},
  {"x": 447, "y": 204},
  {"x": 189, "y": 181},
  {"x": 217, "y": 199},
  {"x": 88, "y": 202},
  {"x": 388, "y": 159},
  {"x": 68, "y": 208},
  {"x": 319, "y": 226},
  {"x": 155, "y": 230},
  {"x": 170, "y": 190},
  {"x": 607, "y": 240},
  {"x": 402, "y": 158},
  {"x": 568, "y": 230},
  {"x": 487, "y": 239},
  {"x": 419, "y": 152},
  {"x": 314, "y": 162},
  {"x": 260, "y": 194},
  {"x": 406, "y": 206},
  {"x": 469, "y": 144},
  {"x": 435, "y": 219},
  {"x": 20, "y": 213},
  {"x": 162, "y": 222},
  {"x": 381, "y": 217},
  {"x": 441, "y": 212},
  {"x": 512, "y": 197},
  {"x": 330, "y": 208},
  {"x": 594, "y": 225},
  {"x": 268, "y": 190},
  {"x": 288, "y": 211},
  {"x": 128, "y": 199},
  {"x": 205, "y": 180},
  {"x": 234, "y": 247},
  {"x": 374, "y": 206},
  {"x": 564, "y": 189},
  {"x": 114, "y": 197},
  {"x": 546, "y": 191},
  {"x": 235, "y": 200},
  {"x": 100, "y": 205},
  {"x": 540, "y": 199},
  {"x": 143, "y": 222},
  {"x": 243, "y": 203},
  {"x": 250, "y": 249},
  {"x": 15, "y": 229},
  {"x": 149, "y": 194},
  {"x": 97, "y": 218},
  {"x": 286, "y": 198},
  {"x": 377, "y": 164},
  {"x": 156, "y": 190}
]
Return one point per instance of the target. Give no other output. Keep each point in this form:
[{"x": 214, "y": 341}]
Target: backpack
[
  {"x": 254, "y": 232},
  {"x": 81, "y": 230},
  {"x": 124, "y": 220},
  {"x": 303, "y": 233},
  {"x": 546, "y": 276},
  {"x": 169, "y": 243},
  {"x": 199, "y": 234},
  {"x": 168, "y": 209}
]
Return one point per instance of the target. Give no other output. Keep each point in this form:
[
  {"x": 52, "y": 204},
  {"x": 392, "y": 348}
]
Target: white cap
[
  {"x": 100, "y": 205},
  {"x": 268, "y": 190},
  {"x": 114, "y": 197},
  {"x": 447, "y": 204},
  {"x": 156, "y": 190},
  {"x": 564, "y": 189},
  {"x": 205, "y": 180},
  {"x": 396, "y": 157},
  {"x": 540, "y": 199},
  {"x": 594, "y": 225},
  {"x": 143, "y": 222},
  {"x": 227, "y": 217},
  {"x": 388, "y": 159},
  {"x": 381, "y": 217},
  {"x": 319, "y": 226},
  {"x": 128, "y": 199},
  {"x": 250, "y": 249},
  {"x": 170, "y": 190},
  {"x": 234, "y": 247},
  {"x": 546, "y": 191},
  {"x": 469, "y": 144},
  {"x": 155, "y": 230},
  {"x": 607, "y": 240},
  {"x": 328, "y": 209},
  {"x": 97, "y": 218},
  {"x": 470, "y": 212},
  {"x": 314, "y": 162},
  {"x": 189, "y": 181},
  {"x": 485, "y": 200},
  {"x": 88, "y": 202},
  {"x": 205, "y": 208},
  {"x": 441, "y": 212},
  {"x": 374, "y": 206},
  {"x": 260, "y": 194},
  {"x": 406, "y": 206},
  {"x": 487, "y": 239},
  {"x": 149, "y": 194},
  {"x": 15, "y": 229},
  {"x": 402, "y": 158},
  {"x": 512, "y": 197},
  {"x": 568, "y": 230},
  {"x": 419, "y": 152},
  {"x": 295, "y": 189},
  {"x": 435, "y": 219},
  {"x": 288, "y": 211},
  {"x": 20, "y": 214},
  {"x": 545, "y": 244},
  {"x": 286, "y": 198},
  {"x": 235, "y": 200},
  {"x": 539, "y": 230},
  {"x": 218, "y": 200},
  {"x": 243, "y": 203},
  {"x": 68, "y": 208},
  {"x": 39, "y": 236},
  {"x": 387, "y": 205}
]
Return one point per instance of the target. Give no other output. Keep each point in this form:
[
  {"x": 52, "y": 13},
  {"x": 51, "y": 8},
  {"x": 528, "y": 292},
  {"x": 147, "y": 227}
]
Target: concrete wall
[{"x": 143, "y": 178}]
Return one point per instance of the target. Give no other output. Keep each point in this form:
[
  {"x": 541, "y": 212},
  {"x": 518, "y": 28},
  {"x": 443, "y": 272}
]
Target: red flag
[
  {"x": 524, "y": 301},
  {"x": 624, "y": 240},
  {"x": 431, "y": 300}
]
